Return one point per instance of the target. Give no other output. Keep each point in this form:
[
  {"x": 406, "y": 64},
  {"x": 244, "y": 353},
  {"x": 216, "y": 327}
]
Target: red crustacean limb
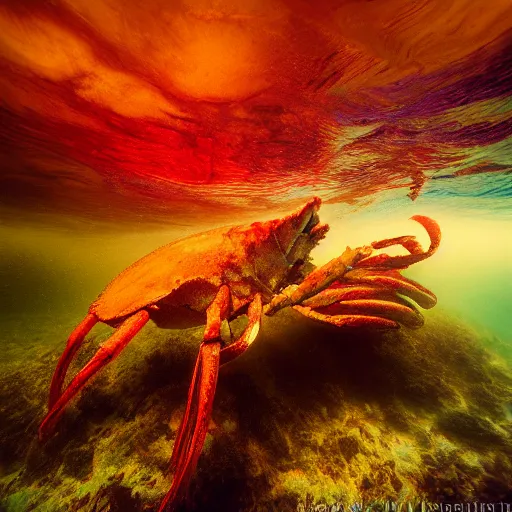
[
  {"x": 409, "y": 242},
  {"x": 195, "y": 425},
  {"x": 368, "y": 292},
  {"x": 248, "y": 336},
  {"x": 339, "y": 292},
  {"x": 105, "y": 354},
  {"x": 384, "y": 261},
  {"x": 192, "y": 432},
  {"x": 392, "y": 280},
  {"x": 319, "y": 279},
  {"x": 75, "y": 341},
  {"x": 354, "y": 304},
  {"x": 189, "y": 417},
  {"x": 350, "y": 320},
  {"x": 392, "y": 307},
  {"x": 215, "y": 314}
]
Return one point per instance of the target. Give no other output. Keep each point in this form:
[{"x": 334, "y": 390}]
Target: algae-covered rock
[{"x": 308, "y": 413}]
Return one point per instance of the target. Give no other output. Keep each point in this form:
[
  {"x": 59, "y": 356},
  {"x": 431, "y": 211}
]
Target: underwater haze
[{"x": 126, "y": 126}]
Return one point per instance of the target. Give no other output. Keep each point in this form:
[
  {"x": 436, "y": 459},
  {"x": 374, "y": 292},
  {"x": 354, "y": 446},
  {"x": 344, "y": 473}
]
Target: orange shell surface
[{"x": 205, "y": 256}]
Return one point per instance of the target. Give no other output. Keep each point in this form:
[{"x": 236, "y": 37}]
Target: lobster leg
[
  {"x": 318, "y": 280},
  {"x": 75, "y": 341},
  {"x": 393, "y": 281},
  {"x": 323, "y": 277},
  {"x": 190, "y": 439},
  {"x": 384, "y": 261},
  {"x": 352, "y": 320},
  {"x": 387, "y": 313},
  {"x": 370, "y": 299},
  {"x": 194, "y": 425},
  {"x": 106, "y": 353},
  {"x": 338, "y": 293},
  {"x": 248, "y": 336}
]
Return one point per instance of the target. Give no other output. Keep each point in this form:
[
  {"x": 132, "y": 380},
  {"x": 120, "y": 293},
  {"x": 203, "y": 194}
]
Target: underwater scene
[{"x": 256, "y": 256}]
